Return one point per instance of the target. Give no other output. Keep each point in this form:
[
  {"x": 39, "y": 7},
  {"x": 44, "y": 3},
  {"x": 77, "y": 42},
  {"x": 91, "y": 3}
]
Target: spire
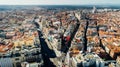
[{"x": 94, "y": 9}]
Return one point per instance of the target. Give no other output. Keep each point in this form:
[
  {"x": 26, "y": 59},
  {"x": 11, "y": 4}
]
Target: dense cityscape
[{"x": 60, "y": 37}]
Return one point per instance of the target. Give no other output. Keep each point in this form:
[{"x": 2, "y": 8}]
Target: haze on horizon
[{"x": 59, "y": 2}]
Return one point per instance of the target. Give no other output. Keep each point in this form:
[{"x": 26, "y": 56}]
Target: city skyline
[{"x": 59, "y": 2}]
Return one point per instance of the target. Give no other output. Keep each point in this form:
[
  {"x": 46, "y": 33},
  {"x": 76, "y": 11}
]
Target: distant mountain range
[{"x": 11, "y": 7}]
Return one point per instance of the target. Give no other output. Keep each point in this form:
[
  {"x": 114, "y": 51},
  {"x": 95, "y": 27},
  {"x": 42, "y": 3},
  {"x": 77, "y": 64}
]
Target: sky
[{"x": 58, "y": 2}]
